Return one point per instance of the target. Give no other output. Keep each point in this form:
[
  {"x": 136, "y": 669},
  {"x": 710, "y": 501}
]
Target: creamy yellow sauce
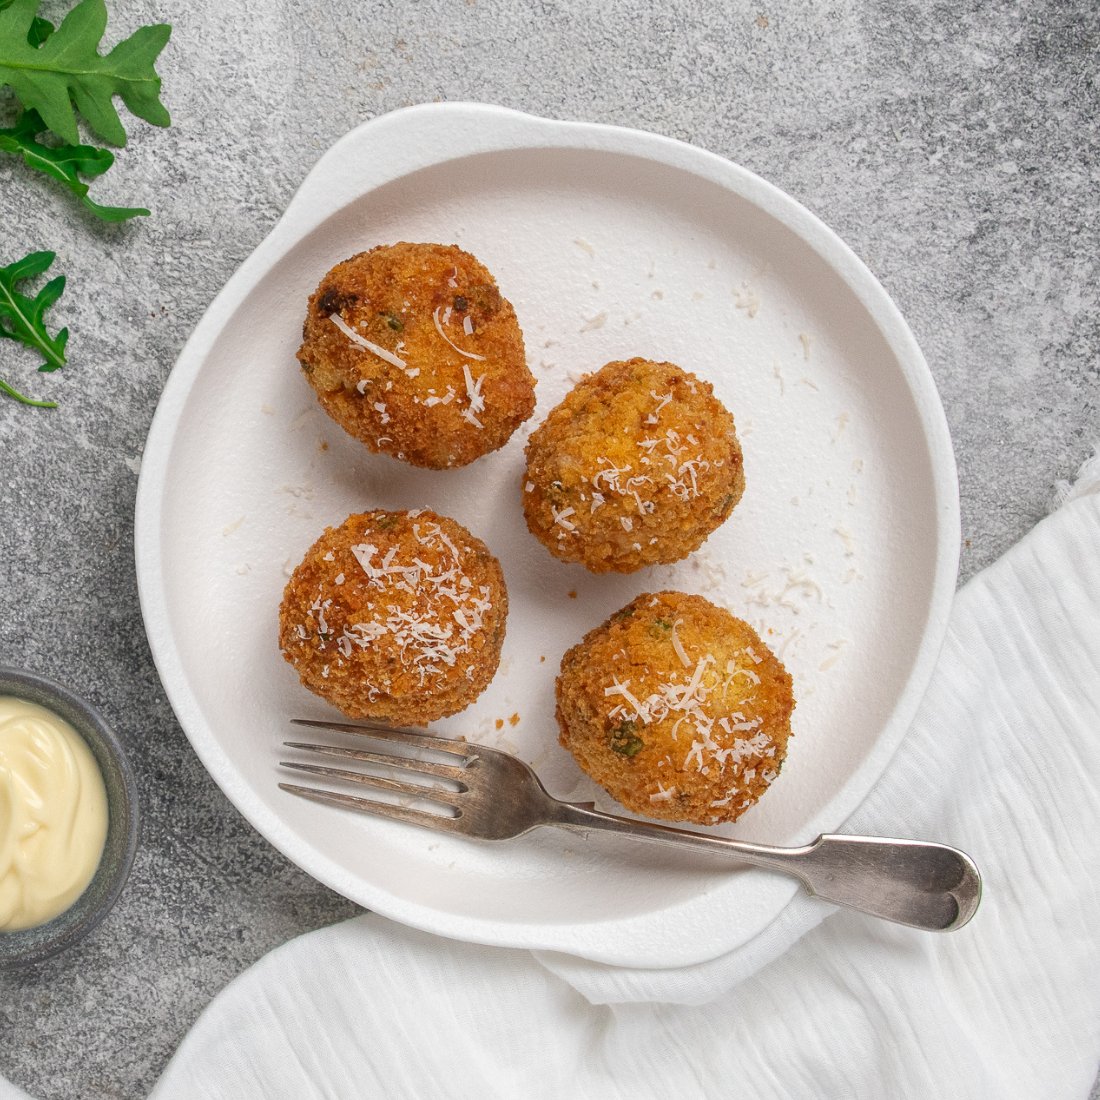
[{"x": 53, "y": 815}]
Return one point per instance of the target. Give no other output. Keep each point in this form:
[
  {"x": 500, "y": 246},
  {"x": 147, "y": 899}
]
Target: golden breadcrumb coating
[
  {"x": 636, "y": 467},
  {"x": 677, "y": 709},
  {"x": 395, "y": 616},
  {"x": 412, "y": 349}
]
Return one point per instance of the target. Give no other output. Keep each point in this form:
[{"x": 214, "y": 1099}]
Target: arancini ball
[
  {"x": 637, "y": 466},
  {"x": 395, "y": 616},
  {"x": 677, "y": 709},
  {"x": 412, "y": 349}
]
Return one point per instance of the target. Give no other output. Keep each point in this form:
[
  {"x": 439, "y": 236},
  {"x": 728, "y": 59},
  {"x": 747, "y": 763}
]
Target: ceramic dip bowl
[{"x": 32, "y": 945}]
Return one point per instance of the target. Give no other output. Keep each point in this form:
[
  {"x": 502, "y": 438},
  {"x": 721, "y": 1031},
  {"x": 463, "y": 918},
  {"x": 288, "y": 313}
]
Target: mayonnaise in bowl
[{"x": 53, "y": 815}]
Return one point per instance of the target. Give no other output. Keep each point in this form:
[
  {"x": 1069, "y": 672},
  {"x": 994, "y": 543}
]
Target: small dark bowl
[{"x": 35, "y": 944}]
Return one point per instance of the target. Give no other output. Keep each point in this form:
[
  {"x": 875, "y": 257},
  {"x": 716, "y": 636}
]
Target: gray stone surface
[{"x": 954, "y": 146}]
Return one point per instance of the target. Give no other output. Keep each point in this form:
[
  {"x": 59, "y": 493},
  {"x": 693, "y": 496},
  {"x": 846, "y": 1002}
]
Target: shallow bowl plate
[{"x": 610, "y": 243}]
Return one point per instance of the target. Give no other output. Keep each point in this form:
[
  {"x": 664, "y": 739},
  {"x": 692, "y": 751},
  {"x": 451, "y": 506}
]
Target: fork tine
[
  {"x": 404, "y": 763},
  {"x": 434, "y": 794},
  {"x": 379, "y": 809},
  {"x": 394, "y": 733}
]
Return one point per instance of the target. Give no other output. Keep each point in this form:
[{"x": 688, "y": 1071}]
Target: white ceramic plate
[{"x": 610, "y": 243}]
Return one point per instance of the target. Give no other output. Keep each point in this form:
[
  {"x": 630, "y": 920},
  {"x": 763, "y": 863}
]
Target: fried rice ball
[
  {"x": 677, "y": 709},
  {"x": 412, "y": 349},
  {"x": 395, "y": 616},
  {"x": 636, "y": 467}
]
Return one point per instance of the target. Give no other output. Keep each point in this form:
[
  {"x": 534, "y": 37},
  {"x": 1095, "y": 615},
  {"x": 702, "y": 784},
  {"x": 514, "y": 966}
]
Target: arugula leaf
[
  {"x": 63, "y": 162},
  {"x": 67, "y": 73},
  {"x": 24, "y": 317}
]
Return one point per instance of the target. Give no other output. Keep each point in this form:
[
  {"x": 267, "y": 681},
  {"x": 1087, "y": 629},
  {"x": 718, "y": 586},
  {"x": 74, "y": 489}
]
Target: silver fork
[{"x": 491, "y": 795}]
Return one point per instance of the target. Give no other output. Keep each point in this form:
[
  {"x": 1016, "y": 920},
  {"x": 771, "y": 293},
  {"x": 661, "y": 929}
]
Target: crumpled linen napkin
[{"x": 1002, "y": 760}]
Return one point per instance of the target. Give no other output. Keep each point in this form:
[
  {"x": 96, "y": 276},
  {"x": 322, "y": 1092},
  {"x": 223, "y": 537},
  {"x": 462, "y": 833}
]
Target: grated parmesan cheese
[
  {"x": 363, "y": 342},
  {"x": 428, "y": 639},
  {"x": 678, "y": 646},
  {"x": 439, "y": 329}
]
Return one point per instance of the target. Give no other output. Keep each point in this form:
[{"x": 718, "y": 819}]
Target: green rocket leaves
[
  {"x": 64, "y": 163},
  {"x": 60, "y": 77},
  {"x": 66, "y": 74},
  {"x": 22, "y": 318}
]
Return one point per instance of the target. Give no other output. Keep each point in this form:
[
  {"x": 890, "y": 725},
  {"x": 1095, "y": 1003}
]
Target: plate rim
[{"x": 461, "y": 130}]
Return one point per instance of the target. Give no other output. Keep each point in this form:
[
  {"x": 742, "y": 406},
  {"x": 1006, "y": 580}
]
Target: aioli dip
[{"x": 53, "y": 815}]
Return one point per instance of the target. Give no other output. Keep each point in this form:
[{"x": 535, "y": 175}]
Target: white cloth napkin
[{"x": 1003, "y": 760}]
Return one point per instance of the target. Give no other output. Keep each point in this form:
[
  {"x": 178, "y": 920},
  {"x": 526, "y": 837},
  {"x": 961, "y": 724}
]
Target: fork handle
[{"x": 913, "y": 882}]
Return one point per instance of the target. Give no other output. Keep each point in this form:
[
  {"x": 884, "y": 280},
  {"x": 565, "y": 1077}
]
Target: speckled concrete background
[{"x": 954, "y": 146}]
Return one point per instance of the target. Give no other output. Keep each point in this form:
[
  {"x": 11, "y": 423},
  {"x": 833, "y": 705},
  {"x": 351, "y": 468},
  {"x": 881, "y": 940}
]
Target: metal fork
[{"x": 491, "y": 795}]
